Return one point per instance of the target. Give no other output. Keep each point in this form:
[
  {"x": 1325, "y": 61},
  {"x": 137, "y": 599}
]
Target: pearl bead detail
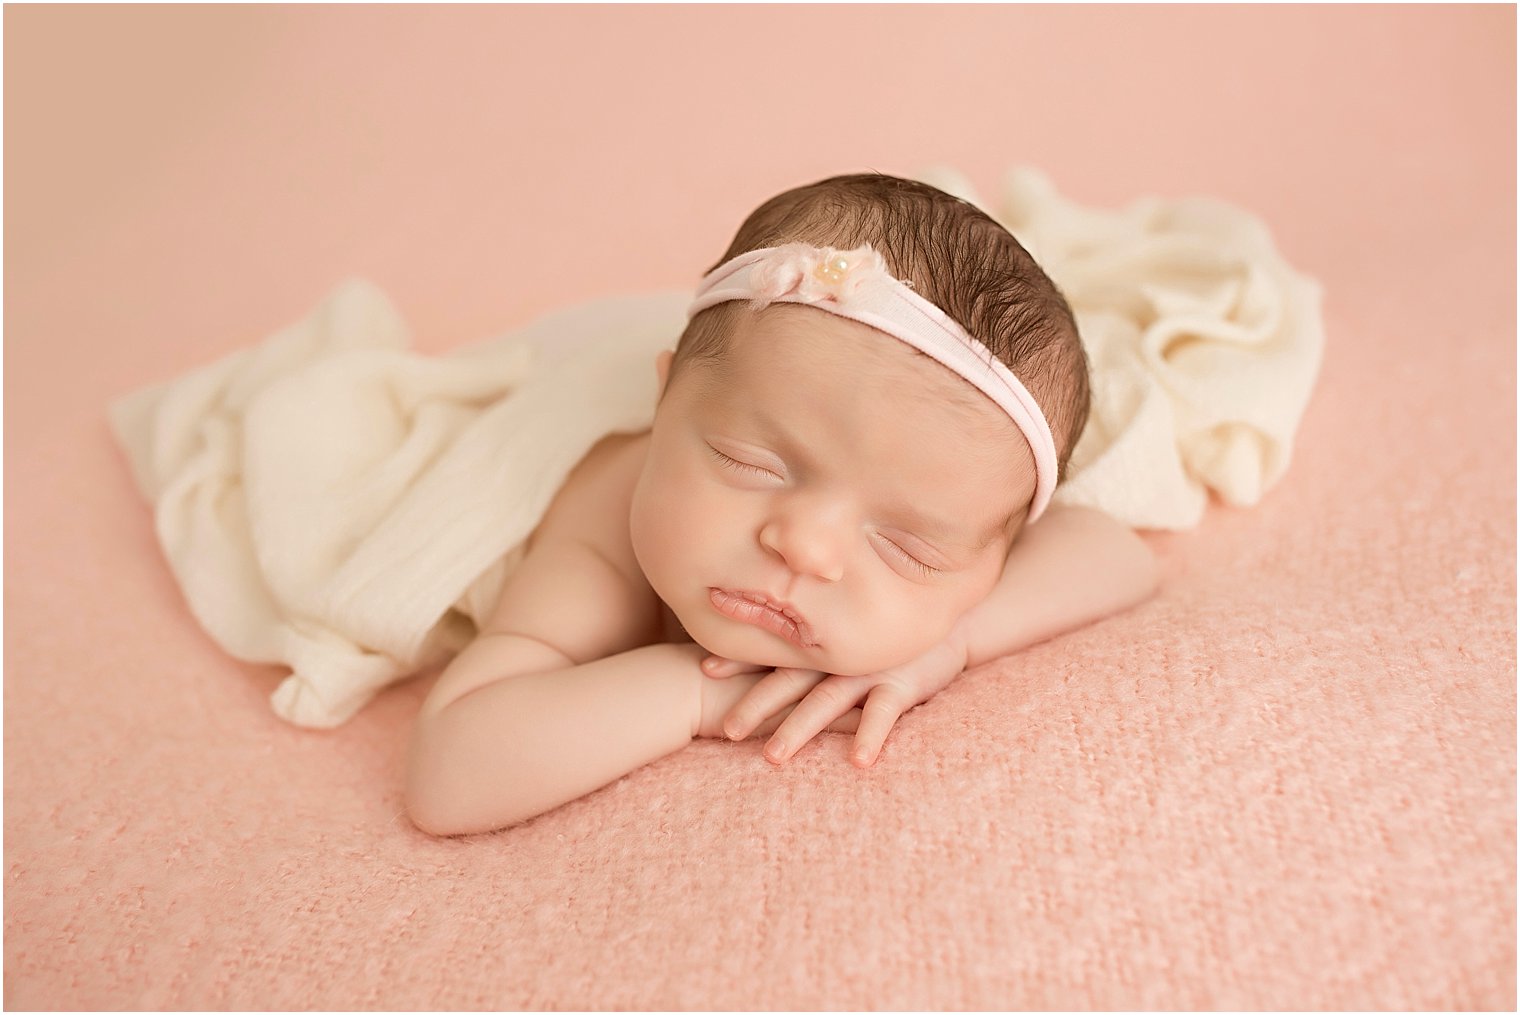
[{"x": 832, "y": 270}]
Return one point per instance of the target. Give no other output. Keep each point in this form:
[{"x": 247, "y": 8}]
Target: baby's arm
[
  {"x": 1071, "y": 568},
  {"x": 515, "y": 728},
  {"x": 563, "y": 691}
]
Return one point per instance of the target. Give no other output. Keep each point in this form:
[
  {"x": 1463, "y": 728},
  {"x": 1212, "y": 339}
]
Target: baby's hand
[
  {"x": 818, "y": 700},
  {"x": 720, "y": 698}
]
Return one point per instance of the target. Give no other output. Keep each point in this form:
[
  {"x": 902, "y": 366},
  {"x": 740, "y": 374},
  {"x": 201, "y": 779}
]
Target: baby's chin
[
  {"x": 729, "y": 639},
  {"x": 752, "y": 645},
  {"x": 754, "y": 651},
  {"x": 757, "y": 648}
]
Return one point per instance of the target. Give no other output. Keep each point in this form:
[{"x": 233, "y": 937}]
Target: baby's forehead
[
  {"x": 787, "y": 343},
  {"x": 842, "y": 385}
]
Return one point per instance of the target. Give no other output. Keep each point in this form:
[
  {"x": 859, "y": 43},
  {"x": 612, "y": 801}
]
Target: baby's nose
[{"x": 810, "y": 542}]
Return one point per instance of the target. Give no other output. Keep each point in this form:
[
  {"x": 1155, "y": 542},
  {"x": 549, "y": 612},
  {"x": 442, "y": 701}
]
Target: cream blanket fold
[
  {"x": 1203, "y": 345},
  {"x": 332, "y": 502}
]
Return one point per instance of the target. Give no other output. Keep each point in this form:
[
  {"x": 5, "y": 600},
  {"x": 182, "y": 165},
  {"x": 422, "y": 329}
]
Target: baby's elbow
[
  {"x": 427, "y": 802},
  {"x": 447, "y": 795},
  {"x": 427, "y": 820},
  {"x": 442, "y": 812},
  {"x": 435, "y": 797}
]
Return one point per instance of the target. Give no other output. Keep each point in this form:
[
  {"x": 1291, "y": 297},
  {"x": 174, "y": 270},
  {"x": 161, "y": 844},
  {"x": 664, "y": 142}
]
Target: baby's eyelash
[
  {"x": 923, "y": 568},
  {"x": 731, "y": 463}
]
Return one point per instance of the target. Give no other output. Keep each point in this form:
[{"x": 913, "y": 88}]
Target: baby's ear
[{"x": 662, "y": 367}]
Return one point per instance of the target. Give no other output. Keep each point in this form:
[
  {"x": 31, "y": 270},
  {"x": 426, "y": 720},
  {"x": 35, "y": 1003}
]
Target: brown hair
[{"x": 956, "y": 256}]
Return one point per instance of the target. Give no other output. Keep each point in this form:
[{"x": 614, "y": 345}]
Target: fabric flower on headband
[{"x": 814, "y": 274}]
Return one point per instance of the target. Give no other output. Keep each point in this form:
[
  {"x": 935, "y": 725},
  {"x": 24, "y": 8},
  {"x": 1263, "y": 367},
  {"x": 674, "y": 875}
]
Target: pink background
[{"x": 1287, "y": 782}]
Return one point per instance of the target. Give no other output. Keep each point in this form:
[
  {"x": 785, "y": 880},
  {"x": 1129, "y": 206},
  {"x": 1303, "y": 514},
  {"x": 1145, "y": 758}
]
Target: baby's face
[{"x": 825, "y": 466}]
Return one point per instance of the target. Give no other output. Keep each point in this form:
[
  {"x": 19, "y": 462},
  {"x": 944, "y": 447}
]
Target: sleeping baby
[{"x": 842, "y": 504}]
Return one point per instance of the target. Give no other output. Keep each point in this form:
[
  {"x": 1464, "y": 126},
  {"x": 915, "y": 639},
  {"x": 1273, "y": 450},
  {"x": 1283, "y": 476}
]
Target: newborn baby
[{"x": 843, "y": 503}]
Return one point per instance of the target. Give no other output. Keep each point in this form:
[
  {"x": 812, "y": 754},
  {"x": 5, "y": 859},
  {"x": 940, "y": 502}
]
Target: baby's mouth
[{"x": 760, "y": 610}]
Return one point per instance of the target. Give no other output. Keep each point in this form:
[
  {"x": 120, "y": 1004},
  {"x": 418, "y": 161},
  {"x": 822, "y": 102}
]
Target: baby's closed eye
[
  {"x": 908, "y": 558},
  {"x": 894, "y": 548},
  {"x": 738, "y": 466}
]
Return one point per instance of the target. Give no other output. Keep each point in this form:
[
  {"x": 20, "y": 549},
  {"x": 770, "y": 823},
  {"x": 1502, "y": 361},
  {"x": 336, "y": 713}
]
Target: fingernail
[
  {"x": 776, "y": 751},
  {"x": 732, "y": 732}
]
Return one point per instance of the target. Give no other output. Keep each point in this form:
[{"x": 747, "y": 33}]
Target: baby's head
[{"x": 806, "y": 458}]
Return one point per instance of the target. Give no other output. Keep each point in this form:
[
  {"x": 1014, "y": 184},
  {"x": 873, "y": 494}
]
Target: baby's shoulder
[{"x": 593, "y": 505}]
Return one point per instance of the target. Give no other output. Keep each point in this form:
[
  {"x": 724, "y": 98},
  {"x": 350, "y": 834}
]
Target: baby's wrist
[
  {"x": 686, "y": 659},
  {"x": 717, "y": 697},
  {"x": 709, "y": 717}
]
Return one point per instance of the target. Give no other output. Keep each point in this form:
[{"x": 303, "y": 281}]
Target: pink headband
[{"x": 856, "y": 284}]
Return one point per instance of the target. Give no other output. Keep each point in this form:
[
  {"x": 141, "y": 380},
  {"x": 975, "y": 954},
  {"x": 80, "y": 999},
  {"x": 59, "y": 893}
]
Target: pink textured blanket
[{"x": 1286, "y": 782}]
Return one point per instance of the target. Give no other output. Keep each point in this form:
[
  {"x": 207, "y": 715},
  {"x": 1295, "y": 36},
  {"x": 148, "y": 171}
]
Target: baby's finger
[
  {"x": 884, "y": 706},
  {"x": 847, "y": 723},
  {"x": 823, "y": 705},
  {"x": 774, "y": 692},
  {"x": 717, "y": 666}
]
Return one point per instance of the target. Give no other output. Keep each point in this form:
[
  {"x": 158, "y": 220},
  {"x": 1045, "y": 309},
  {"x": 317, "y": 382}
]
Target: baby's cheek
[
  {"x": 666, "y": 523},
  {"x": 893, "y": 629},
  {"x": 647, "y": 528},
  {"x": 928, "y": 622}
]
